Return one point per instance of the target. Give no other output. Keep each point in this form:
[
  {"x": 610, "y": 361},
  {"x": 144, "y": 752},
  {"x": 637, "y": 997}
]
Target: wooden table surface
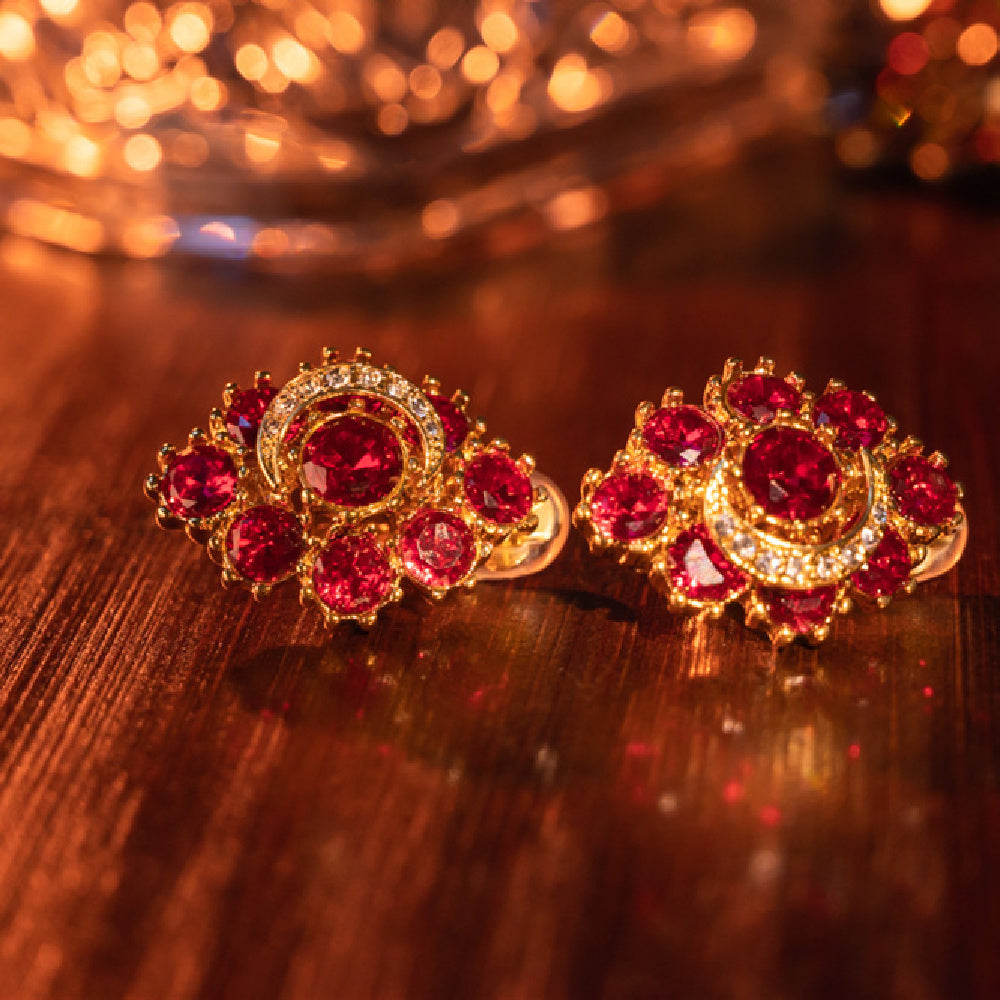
[{"x": 548, "y": 788}]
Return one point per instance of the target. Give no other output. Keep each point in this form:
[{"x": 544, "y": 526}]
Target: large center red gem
[
  {"x": 438, "y": 548},
  {"x": 790, "y": 474},
  {"x": 352, "y": 461}
]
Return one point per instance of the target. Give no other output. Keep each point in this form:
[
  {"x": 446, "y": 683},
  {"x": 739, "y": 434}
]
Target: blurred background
[{"x": 549, "y": 788}]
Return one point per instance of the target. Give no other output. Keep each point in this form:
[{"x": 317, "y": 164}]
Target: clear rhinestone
[
  {"x": 768, "y": 563},
  {"x": 826, "y": 566},
  {"x": 794, "y": 567},
  {"x": 370, "y": 378},
  {"x": 743, "y": 545},
  {"x": 851, "y": 557},
  {"x": 880, "y": 514},
  {"x": 419, "y": 405},
  {"x": 724, "y": 526},
  {"x": 869, "y": 538},
  {"x": 337, "y": 377},
  {"x": 396, "y": 389}
]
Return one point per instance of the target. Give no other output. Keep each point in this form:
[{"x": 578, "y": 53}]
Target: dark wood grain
[{"x": 552, "y": 788}]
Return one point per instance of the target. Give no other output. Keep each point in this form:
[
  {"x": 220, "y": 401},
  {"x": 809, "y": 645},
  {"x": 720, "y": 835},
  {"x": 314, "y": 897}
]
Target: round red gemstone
[
  {"x": 456, "y": 423},
  {"x": 438, "y": 548},
  {"x": 380, "y": 408},
  {"x": 700, "y": 570},
  {"x": 245, "y": 413},
  {"x": 789, "y": 473},
  {"x": 888, "y": 566},
  {"x": 924, "y": 492},
  {"x": 803, "y": 610},
  {"x": 760, "y": 397},
  {"x": 264, "y": 543},
  {"x": 352, "y": 461},
  {"x": 199, "y": 482},
  {"x": 497, "y": 489},
  {"x": 353, "y": 576},
  {"x": 629, "y": 505},
  {"x": 682, "y": 435},
  {"x": 859, "y": 420}
]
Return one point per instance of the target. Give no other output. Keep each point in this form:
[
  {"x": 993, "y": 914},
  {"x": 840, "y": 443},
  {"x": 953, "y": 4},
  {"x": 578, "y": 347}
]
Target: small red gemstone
[
  {"x": 700, "y": 570},
  {"x": 803, "y": 610},
  {"x": 760, "y": 397},
  {"x": 859, "y": 420},
  {"x": 682, "y": 435},
  {"x": 245, "y": 413},
  {"x": 438, "y": 548},
  {"x": 497, "y": 489},
  {"x": 790, "y": 474},
  {"x": 353, "y": 576},
  {"x": 264, "y": 543},
  {"x": 924, "y": 492},
  {"x": 199, "y": 482},
  {"x": 456, "y": 423},
  {"x": 888, "y": 567},
  {"x": 380, "y": 408},
  {"x": 629, "y": 505},
  {"x": 352, "y": 461}
]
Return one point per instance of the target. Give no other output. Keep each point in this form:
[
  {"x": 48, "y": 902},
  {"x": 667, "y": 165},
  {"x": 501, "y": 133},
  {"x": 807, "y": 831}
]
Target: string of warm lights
[{"x": 141, "y": 127}]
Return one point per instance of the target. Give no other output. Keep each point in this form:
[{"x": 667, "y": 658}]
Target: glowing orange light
[
  {"x": 140, "y": 61},
  {"x": 499, "y": 31},
  {"x": 132, "y": 111},
  {"x": 150, "y": 237},
  {"x": 220, "y": 230},
  {"x": 251, "y": 62},
  {"x": 55, "y": 225},
  {"x": 611, "y": 32},
  {"x": 261, "y": 148},
  {"x": 575, "y": 208},
  {"x": 17, "y": 41},
  {"x": 908, "y": 53},
  {"x": 572, "y": 86},
  {"x": 439, "y": 219},
  {"x": 977, "y": 45},
  {"x": 58, "y": 8},
  {"x": 143, "y": 22},
  {"x": 142, "y": 153},
  {"x": 15, "y": 138},
  {"x": 903, "y": 10},
  {"x": 941, "y": 35},
  {"x": 293, "y": 59},
  {"x": 82, "y": 156},
  {"x": 392, "y": 119},
  {"x": 503, "y": 92},
  {"x": 385, "y": 78},
  {"x": 207, "y": 94},
  {"x": 345, "y": 33},
  {"x": 725, "y": 35},
  {"x": 480, "y": 64},
  {"x": 929, "y": 161},
  {"x": 857, "y": 147},
  {"x": 188, "y": 149},
  {"x": 445, "y": 48},
  {"x": 334, "y": 155},
  {"x": 425, "y": 82},
  {"x": 270, "y": 243},
  {"x": 191, "y": 29}
]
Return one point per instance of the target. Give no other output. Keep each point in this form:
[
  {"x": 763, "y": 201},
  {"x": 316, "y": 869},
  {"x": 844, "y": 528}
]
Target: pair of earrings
[{"x": 358, "y": 482}]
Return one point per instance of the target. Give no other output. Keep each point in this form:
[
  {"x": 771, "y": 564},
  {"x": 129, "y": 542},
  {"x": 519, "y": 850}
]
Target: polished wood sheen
[{"x": 548, "y": 788}]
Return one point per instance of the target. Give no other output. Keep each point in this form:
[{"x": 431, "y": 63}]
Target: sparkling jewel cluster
[
  {"x": 349, "y": 478},
  {"x": 768, "y": 496}
]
